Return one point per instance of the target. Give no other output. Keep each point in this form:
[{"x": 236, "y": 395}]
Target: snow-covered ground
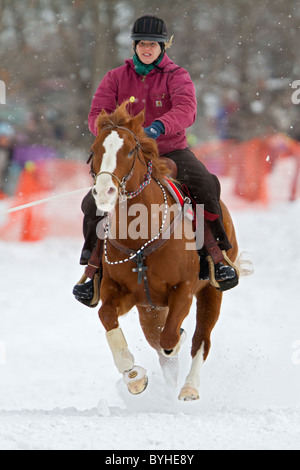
[{"x": 59, "y": 388}]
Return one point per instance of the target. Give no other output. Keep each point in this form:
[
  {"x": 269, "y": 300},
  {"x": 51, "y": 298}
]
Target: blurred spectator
[
  {"x": 18, "y": 147},
  {"x": 6, "y": 149},
  {"x": 224, "y": 116}
]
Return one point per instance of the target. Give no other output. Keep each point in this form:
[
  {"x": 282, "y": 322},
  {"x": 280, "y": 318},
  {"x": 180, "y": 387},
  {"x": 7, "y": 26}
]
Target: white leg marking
[
  {"x": 193, "y": 377},
  {"x": 190, "y": 390}
]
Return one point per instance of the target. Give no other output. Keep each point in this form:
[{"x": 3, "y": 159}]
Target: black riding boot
[
  {"x": 88, "y": 291},
  {"x": 84, "y": 293},
  {"x": 222, "y": 276}
]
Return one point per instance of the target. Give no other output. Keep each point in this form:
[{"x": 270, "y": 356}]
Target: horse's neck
[{"x": 139, "y": 219}]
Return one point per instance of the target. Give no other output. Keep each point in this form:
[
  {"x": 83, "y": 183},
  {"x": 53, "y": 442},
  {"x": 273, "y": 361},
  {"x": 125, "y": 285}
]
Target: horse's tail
[{"x": 244, "y": 264}]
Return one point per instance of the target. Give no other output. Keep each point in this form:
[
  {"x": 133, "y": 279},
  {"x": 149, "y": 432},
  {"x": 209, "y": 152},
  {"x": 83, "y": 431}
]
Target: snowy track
[{"x": 59, "y": 388}]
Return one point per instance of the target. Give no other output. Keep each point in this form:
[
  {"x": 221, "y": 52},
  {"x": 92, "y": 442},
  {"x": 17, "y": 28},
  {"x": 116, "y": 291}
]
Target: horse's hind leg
[
  {"x": 170, "y": 369},
  {"x": 208, "y": 311}
]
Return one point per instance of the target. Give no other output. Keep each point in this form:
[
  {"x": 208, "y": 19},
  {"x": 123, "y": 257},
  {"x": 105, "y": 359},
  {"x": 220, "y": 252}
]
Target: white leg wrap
[{"x": 123, "y": 358}]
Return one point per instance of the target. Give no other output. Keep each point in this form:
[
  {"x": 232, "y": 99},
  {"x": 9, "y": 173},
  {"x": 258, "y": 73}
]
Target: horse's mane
[{"x": 122, "y": 117}]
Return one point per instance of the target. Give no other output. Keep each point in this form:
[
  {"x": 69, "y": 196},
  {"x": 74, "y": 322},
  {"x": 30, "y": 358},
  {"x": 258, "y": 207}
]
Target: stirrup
[
  {"x": 222, "y": 286},
  {"x": 93, "y": 302}
]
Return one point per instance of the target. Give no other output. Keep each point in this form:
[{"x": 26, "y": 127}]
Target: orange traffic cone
[
  {"x": 28, "y": 225},
  {"x": 29, "y": 189}
]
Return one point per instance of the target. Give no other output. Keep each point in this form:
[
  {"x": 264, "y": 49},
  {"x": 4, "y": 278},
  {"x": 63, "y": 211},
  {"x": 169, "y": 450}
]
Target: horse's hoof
[
  {"x": 136, "y": 380},
  {"x": 188, "y": 393},
  {"x": 139, "y": 386}
]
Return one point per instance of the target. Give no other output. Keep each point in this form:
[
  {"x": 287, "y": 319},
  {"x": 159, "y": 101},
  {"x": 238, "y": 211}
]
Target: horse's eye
[{"x": 130, "y": 154}]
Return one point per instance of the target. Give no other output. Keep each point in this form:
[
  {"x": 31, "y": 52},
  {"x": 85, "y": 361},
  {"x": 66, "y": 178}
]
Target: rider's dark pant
[
  {"x": 203, "y": 186},
  {"x": 90, "y": 222}
]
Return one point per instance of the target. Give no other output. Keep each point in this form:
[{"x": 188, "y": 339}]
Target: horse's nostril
[
  {"x": 94, "y": 191},
  {"x": 111, "y": 191}
]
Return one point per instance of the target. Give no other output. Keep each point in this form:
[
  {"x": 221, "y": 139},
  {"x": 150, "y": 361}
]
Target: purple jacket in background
[
  {"x": 34, "y": 153},
  {"x": 167, "y": 95}
]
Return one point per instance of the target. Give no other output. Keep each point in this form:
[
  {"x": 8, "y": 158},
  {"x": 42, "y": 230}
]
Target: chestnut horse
[{"x": 159, "y": 277}]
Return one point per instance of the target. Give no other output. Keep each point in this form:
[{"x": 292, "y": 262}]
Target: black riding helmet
[{"x": 149, "y": 28}]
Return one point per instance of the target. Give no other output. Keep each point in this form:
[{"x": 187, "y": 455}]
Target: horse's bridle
[{"x": 122, "y": 183}]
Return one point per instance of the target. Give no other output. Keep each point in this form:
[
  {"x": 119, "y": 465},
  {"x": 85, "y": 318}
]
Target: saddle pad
[
  {"x": 187, "y": 204},
  {"x": 183, "y": 201}
]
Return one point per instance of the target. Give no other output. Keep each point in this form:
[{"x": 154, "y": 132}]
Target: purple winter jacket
[{"x": 167, "y": 95}]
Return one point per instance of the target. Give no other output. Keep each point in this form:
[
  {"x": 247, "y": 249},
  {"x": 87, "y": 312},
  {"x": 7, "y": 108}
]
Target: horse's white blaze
[{"x": 106, "y": 192}]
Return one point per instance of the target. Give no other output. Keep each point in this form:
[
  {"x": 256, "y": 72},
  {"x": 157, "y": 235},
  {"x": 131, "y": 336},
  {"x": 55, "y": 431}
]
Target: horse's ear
[
  {"x": 123, "y": 107},
  {"x": 98, "y": 120},
  {"x": 138, "y": 120},
  {"x": 101, "y": 114}
]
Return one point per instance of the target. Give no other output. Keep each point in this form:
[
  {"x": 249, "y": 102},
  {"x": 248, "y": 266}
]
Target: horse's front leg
[
  {"x": 114, "y": 305},
  {"x": 134, "y": 376},
  {"x": 179, "y": 302}
]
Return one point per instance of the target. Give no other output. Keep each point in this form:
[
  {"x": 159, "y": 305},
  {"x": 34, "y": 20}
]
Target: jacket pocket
[{"x": 159, "y": 104}]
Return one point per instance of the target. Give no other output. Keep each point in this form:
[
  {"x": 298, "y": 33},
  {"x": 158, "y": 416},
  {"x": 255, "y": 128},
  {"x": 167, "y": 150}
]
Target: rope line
[{"x": 42, "y": 201}]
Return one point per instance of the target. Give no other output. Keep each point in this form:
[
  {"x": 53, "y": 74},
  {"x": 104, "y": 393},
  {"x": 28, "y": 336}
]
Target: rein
[
  {"x": 143, "y": 185},
  {"x": 134, "y": 254}
]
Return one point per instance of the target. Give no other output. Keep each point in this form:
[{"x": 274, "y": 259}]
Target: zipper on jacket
[{"x": 143, "y": 81}]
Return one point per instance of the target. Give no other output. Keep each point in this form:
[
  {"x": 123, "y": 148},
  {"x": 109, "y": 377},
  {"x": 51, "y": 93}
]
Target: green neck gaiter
[{"x": 144, "y": 69}]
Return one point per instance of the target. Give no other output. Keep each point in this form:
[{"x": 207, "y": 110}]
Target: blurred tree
[{"x": 53, "y": 54}]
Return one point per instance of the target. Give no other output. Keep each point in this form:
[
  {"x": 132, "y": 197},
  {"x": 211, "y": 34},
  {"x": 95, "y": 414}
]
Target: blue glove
[{"x": 155, "y": 129}]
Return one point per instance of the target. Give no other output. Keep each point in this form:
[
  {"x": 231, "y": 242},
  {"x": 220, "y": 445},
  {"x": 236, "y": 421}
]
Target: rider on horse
[{"x": 165, "y": 91}]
